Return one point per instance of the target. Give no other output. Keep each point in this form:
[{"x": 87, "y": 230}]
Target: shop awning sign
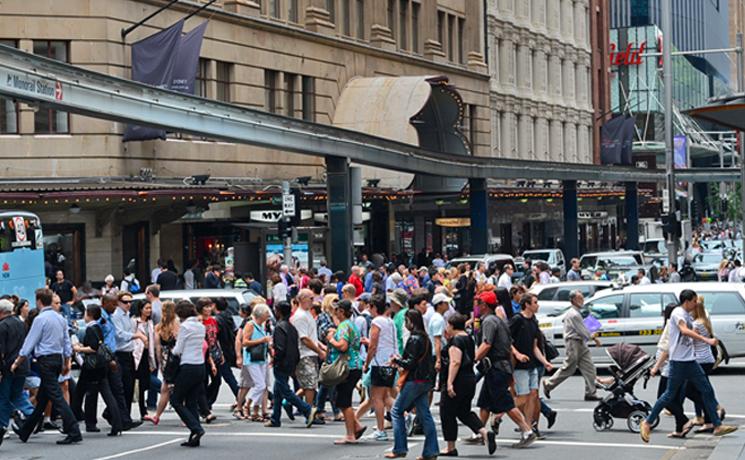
[
  {"x": 453, "y": 221},
  {"x": 273, "y": 215}
]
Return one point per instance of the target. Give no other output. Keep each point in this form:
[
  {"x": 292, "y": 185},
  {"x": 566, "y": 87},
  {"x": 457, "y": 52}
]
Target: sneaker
[
  {"x": 538, "y": 434},
  {"x": 379, "y": 436},
  {"x": 496, "y": 421},
  {"x": 311, "y": 417},
  {"x": 525, "y": 441},
  {"x": 491, "y": 442},
  {"x": 409, "y": 421},
  {"x": 551, "y": 418}
]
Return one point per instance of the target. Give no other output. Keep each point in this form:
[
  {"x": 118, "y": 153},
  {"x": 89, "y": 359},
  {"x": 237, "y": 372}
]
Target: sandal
[
  {"x": 257, "y": 418},
  {"x": 705, "y": 429},
  {"x": 343, "y": 441},
  {"x": 239, "y": 415},
  {"x": 358, "y": 434},
  {"x": 394, "y": 455}
]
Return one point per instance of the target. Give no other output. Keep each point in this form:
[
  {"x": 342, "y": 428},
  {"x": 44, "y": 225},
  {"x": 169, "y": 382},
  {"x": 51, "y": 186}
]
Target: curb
[{"x": 731, "y": 447}]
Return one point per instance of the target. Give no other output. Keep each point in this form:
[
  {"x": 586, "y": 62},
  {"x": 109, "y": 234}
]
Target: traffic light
[
  {"x": 284, "y": 229},
  {"x": 296, "y": 219}
]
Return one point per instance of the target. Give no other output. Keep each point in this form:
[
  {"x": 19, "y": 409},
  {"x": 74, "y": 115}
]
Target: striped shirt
[{"x": 702, "y": 349}]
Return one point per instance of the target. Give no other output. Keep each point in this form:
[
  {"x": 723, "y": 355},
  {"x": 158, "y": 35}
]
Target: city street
[{"x": 571, "y": 437}]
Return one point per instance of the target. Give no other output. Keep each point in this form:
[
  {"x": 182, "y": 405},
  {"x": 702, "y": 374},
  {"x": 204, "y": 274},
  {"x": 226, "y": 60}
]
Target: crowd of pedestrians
[{"x": 395, "y": 335}]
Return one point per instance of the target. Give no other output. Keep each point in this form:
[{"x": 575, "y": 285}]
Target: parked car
[
  {"x": 553, "y": 257},
  {"x": 492, "y": 261},
  {"x": 614, "y": 264},
  {"x": 634, "y": 315},
  {"x": 654, "y": 248},
  {"x": 554, "y": 298},
  {"x": 706, "y": 265}
]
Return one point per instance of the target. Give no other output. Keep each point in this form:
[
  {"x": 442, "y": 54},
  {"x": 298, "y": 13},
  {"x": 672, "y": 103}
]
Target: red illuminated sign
[{"x": 627, "y": 57}]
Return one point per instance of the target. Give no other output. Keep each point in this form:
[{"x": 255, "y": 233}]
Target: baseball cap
[
  {"x": 488, "y": 297},
  {"x": 439, "y": 298}
]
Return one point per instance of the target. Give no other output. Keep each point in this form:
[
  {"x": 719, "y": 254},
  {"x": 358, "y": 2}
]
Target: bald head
[{"x": 305, "y": 299}]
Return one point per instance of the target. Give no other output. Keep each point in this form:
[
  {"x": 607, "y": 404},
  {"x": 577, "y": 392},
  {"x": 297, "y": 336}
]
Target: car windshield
[
  {"x": 612, "y": 261},
  {"x": 654, "y": 247},
  {"x": 707, "y": 258},
  {"x": 537, "y": 255}
]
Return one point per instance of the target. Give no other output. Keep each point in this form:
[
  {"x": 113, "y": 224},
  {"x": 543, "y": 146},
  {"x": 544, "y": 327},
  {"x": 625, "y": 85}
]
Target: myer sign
[{"x": 273, "y": 215}]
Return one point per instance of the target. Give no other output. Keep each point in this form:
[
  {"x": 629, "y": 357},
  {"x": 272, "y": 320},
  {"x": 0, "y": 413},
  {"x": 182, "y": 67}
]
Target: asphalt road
[{"x": 572, "y": 436}]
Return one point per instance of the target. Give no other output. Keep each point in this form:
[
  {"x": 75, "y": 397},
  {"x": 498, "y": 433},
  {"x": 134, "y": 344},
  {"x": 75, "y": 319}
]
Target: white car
[
  {"x": 634, "y": 315},
  {"x": 553, "y": 257},
  {"x": 554, "y": 298},
  {"x": 234, "y": 297}
]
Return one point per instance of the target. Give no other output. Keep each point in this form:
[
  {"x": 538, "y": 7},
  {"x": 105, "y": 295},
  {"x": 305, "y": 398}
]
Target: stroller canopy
[{"x": 625, "y": 354}]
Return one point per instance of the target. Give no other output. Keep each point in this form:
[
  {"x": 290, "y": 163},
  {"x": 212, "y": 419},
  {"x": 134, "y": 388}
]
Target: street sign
[
  {"x": 288, "y": 205},
  {"x": 665, "y": 201}
]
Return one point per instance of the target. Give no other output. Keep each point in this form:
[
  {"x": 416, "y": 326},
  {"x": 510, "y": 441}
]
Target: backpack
[{"x": 133, "y": 286}]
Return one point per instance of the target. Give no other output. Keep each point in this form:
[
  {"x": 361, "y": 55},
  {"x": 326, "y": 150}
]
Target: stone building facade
[
  {"x": 291, "y": 57},
  {"x": 540, "y": 61}
]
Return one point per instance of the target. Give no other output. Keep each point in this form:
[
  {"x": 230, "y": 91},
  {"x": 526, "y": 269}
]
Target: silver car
[
  {"x": 554, "y": 298},
  {"x": 634, "y": 315}
]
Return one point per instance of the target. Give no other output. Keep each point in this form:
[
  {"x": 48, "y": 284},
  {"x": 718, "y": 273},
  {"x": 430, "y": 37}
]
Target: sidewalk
[{"x": 730, "y": 447}]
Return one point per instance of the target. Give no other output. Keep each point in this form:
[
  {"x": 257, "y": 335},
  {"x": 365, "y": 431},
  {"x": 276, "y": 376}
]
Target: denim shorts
[{"x": 526, "y": 380}]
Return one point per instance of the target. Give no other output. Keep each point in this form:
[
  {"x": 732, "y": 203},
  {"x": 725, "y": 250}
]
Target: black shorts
[
  {"x": 383, "y": 376},
  {"x": 344, "y": 389},
  {"x": 495, "y": 393}
]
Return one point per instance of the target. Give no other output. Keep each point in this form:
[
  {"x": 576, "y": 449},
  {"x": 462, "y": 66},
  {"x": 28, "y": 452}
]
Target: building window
[
  {"x": 403, "y": 11},
  {"x": 461, "y": 38},
  {"x": 293, "y": 11},
  {"x": 8, "y": 108},
  {"x": 346, "y": 17},
  {"x": 200, "y": 84},
  {"x": 472, "y": 126},
  {"x": 441, "y": 28},
  {"x": 222, "y": 80},
  {"x": 290, "y": 90},
  {"x": 451, "y": 36},
  {"x": 331, "y": 8},
  {"x": 392, "y": 17},
  {"x": 50, "y": 121},
  {"x": 415, "y": 27},
  {"x": 270, "y": 90},
  {"x": 361, "y": 19},
  {"x": 309, "y": 98}
]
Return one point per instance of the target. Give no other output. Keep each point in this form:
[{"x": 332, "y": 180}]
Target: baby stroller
[{"x": 630, "y": 364}]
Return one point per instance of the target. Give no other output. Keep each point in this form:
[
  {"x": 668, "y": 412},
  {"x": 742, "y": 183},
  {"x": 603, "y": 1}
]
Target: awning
[{"x": 728, "y": 112}]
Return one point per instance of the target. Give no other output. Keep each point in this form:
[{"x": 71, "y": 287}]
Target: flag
[
  {"x": 153, "y": 62},
  {"x": 611, "y": 141},
  {"x": 185, "y": 67}
]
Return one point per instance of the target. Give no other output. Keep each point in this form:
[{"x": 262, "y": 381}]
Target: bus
[{"x": 21, "y": 254}]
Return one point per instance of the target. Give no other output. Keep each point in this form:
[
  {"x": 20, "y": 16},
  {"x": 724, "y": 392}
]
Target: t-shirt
[
  {"x": 465, "y": 371},
  {"x": 496, "y": 332},
  {"x": 168, "y": 281},
  {"x": 504, "y": 281},
  {"x": 401, "y": 333},
  {"x": 348, "y": 331},
  {"x": 427, "y": 316},
  {"x": 63, "y": 290},
  {"x": 387, "y": 343},
  {"x": 524, "y": 332},
  {"x": 437, "y": 328},
  {"x": 681, "y": 346},
  {"x": 306, "y": 327}
]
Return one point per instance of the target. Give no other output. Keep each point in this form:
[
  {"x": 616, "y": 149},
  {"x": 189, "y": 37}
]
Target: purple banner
[
  {"x": 185, "y": 67},
  {"x": 680, "y": 151},
  {"x": 153, "y": 61}
]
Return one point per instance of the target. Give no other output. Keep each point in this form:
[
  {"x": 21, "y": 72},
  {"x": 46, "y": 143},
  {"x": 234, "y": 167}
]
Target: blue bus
[{"x": 21, "y": 254}]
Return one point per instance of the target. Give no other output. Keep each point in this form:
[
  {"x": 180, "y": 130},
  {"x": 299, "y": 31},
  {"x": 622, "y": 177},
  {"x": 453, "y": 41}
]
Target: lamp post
[{"x": 667, "y": 65}]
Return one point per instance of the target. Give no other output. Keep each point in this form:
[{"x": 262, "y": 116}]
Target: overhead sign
[
  {"x": 453, "y": 221},
  {"x": 632, "y": 55},
  {"x": 39, "y": 86},
  {"x": 273, "y": 215},
  {"x": 288, "y": 205}
]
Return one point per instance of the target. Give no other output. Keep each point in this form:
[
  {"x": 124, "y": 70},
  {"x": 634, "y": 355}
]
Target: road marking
[
  {"x": 417, "y": 438},
  {"x": 585, "y": 409},
  {"x": 142, "y": 449}
]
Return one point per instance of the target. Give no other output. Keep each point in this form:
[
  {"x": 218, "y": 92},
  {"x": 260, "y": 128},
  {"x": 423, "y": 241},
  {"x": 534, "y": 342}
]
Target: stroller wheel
[
  {"x": 602, "y": 419},
  {"x": 635, "y": 419}
]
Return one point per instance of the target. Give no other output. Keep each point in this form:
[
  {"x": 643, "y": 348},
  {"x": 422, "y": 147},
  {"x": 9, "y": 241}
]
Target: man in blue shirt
[
  {"x": 126, "y": 334},
  {"x": 109, "y": 304},
  {"x": 49, "y": 342}
]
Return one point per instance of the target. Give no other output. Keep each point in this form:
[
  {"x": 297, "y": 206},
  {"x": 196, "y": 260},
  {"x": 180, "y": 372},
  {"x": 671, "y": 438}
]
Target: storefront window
[{"x": 64, "y": 249}]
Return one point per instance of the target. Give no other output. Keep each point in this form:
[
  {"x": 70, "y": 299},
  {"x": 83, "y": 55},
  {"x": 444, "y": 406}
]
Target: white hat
[{"x": 439, "y": 298}]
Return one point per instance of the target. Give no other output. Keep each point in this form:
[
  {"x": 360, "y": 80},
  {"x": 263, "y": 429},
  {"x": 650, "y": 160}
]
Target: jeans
[
  {"x": 154, "y": 391},
  {"x": 189, "y": 386},
  {"x": 50, "y": 367},
  {"x": 282, "y": 391},
  {"x": 326, "y": 394},
  {"x": 416, "y": 394},
  {"x": 12, "y": 397},
  {"x": 690, "y": 372},
  {"x": 227, "y": 374}
]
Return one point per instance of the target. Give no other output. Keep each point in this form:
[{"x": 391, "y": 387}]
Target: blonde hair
[
  {"x": 257, "y": 300},
  {"x": 699, "y": 314},
  {"x": 169, "y": 323},
  {"x": 328, "y": 303}
]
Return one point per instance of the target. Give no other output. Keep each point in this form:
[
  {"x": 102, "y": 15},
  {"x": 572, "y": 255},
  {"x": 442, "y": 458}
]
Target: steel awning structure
[
  {"x": 727, "y": 111},
  {"x": 39, "y": 80}
]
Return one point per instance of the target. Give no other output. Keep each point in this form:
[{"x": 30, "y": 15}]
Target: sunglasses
[{"x": 125, "y": 301}]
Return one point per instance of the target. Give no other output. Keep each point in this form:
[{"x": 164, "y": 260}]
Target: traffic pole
[
  {"x": 287, "y": 239},
  {"x": 740, "y": 89}
]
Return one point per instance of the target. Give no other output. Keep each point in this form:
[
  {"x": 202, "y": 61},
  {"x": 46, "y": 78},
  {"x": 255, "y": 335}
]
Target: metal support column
[
  {"x": 740, "y": 89},
  {"x": 339, "y": 206},
  {"x": 479, "y": 202},
  {"x": 571, "y": 223},
  {"x": 631, "y": 202},
  {"x": 667, "y": 67}
]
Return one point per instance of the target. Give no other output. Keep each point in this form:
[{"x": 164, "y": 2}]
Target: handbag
[
  {"x": 550, "y": 351},
  {"x": 257, "y": 353},
  {"x": 101, "y": 358},
  {"x": 334, "y": 373}
]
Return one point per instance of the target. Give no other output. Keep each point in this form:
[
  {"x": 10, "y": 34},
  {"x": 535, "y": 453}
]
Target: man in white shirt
[
  {"x": 684, "y": 369},
  {"x": 441, "y": 303},
  {"x": 156, "y": 271},
  {"x": 310, "y": 348},
  {"x": 643, "y": 279},
  {"x": 152, "y": 294},
  {"x": 505, "y": 279}
]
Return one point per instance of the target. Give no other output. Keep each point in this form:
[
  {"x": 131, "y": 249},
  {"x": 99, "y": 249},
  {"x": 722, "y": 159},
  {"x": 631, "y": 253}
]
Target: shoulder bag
[{"x": 257, "y": 353}]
